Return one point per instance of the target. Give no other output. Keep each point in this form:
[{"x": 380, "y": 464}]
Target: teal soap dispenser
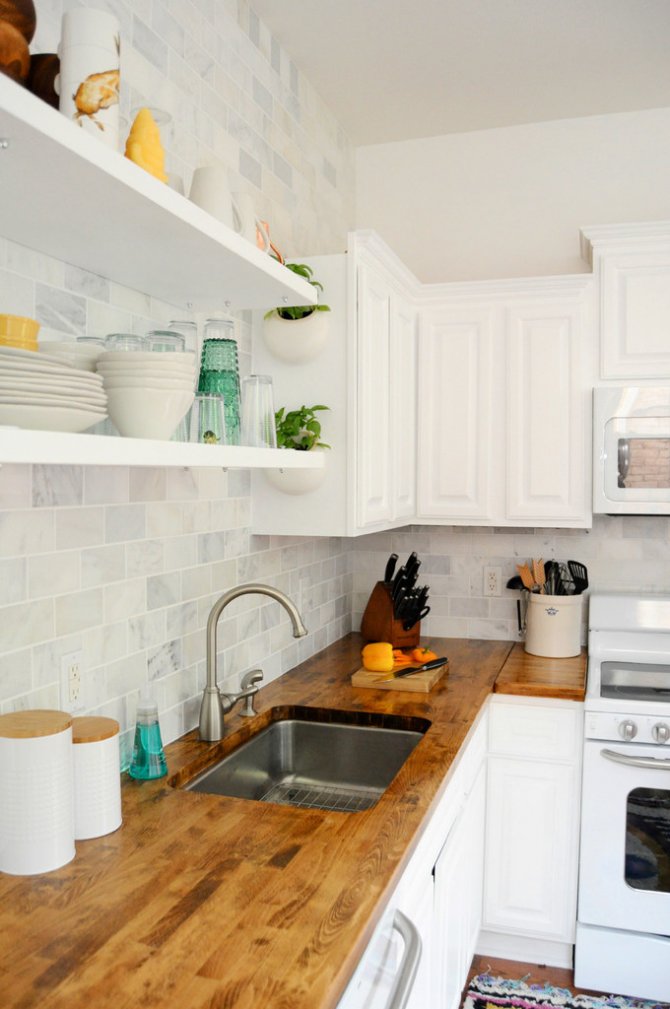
[{"x": 148, "y": 760}]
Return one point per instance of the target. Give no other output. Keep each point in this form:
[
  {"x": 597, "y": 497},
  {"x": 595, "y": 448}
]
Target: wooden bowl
[
  {"x": 44, "y": 68},
  {"x": 21, "y": 15},
  {"x": 14, "y": 53}
]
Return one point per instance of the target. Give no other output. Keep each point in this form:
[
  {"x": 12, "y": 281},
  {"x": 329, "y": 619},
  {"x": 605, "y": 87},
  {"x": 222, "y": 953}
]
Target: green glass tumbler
[{"x": 219, "y": 373}]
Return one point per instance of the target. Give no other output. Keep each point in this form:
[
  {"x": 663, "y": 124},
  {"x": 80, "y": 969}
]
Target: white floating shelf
[
  {"x": 56, "y": 448},
  {"x": 64, "y": 193}
]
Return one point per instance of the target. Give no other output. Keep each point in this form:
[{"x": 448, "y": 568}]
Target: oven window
[{"x": 647, "y": 865}]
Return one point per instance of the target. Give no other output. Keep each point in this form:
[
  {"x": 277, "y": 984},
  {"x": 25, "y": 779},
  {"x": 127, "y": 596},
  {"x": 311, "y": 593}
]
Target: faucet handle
[{"x": 248, "y": 683}]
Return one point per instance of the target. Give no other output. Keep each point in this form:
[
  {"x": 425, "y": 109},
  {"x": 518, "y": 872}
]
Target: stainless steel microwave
[{"x": 631, "y": 450}]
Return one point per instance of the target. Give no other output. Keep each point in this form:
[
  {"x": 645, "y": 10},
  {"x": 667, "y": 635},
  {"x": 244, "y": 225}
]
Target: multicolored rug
[{"x": 488, "y": 992}]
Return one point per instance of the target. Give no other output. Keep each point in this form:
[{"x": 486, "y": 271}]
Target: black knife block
[{"x": 379, "y": 624}]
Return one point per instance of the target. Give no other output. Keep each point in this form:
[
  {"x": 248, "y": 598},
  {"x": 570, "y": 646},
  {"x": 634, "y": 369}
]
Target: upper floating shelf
[
  {"x": 59, "y": 448},
  {"x": 65, "y": 194}
]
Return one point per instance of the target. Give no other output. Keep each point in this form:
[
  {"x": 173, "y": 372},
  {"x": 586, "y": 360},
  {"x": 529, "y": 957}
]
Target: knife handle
[{"x": 433, "y": 664}]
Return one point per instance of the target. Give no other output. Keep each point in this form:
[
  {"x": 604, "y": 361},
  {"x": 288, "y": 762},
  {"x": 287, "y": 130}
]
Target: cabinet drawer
[{"x": 528, "y": 730}]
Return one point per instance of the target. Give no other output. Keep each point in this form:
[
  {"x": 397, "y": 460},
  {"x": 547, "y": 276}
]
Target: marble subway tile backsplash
[
  {"x": 625, "y": 552},
  {"x": 137, "y": 605}
]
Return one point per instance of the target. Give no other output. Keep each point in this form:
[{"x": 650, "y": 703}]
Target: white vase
[
  {"x": 296, "y": 340},
  {"x": 296, "y": 481}
]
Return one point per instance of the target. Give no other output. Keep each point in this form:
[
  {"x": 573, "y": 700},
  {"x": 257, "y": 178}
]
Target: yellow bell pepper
[{"x": 378, "y": 657}]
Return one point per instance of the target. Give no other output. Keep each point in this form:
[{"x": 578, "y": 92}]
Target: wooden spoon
[
  {"x": 526, "y": 576},
  {"x": 538, "y": 574}
]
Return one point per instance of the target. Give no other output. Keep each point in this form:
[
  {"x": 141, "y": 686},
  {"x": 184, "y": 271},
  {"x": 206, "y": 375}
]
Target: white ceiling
[{"x": 401, "y": 69}]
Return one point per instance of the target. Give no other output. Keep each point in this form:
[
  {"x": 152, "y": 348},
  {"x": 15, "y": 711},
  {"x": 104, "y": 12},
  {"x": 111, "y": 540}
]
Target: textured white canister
[
  {"x": 97, "y": 776},
  {"x": 36, "y": 791},
  {"x": 553, "y": 625}
]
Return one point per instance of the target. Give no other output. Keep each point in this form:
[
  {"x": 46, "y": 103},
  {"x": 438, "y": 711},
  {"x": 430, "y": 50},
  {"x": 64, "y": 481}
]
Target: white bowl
[
  {"x": 148, "y": 413},
  {"x": 145, "y": 369},
  {"x": 135, "y": 382},
  {"x": 174, "y": 359}
]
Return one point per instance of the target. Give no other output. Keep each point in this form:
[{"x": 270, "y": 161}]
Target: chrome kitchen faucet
[{"x": 215, "y": 704}]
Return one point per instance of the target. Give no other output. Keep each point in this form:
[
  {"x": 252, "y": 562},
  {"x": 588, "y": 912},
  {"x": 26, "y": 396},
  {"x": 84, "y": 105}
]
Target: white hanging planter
[
  {"x": 296, "y": 340},
  {"x": 296, "y": 481}
]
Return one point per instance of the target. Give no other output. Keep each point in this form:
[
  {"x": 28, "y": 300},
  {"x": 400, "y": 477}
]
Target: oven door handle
[{"x": 623, "y": 758}]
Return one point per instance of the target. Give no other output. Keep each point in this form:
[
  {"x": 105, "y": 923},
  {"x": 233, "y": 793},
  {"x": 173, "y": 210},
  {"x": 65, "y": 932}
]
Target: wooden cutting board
[{"x": 420, "y": 683}]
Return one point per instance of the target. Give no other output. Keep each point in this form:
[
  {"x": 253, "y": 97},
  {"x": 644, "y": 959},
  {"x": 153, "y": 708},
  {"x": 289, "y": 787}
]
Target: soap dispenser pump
[{"x": 148, "y": 760}]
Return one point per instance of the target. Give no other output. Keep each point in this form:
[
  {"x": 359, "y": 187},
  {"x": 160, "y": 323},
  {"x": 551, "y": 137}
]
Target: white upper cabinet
[
  {"x": 386, "y": 336},
  {"x": 366, "y": 375},
  {"x": 505, "y": 371},
  {"x": 456, "y": 430},
  {"x": 631, "y": 265}
]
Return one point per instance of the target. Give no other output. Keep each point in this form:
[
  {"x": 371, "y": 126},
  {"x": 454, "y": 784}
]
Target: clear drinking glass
[
  {"x": 219, "y": 372},
  {"x": 258, "y": 414},
  {"x": 126, "y": 341},
  {"x": 208, "y": 424},
  {"x": 165, "y": 340}
]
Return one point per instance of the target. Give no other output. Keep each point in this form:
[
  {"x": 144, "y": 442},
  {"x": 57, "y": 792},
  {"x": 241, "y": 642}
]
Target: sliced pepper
[{"x": 423, "y": 655}]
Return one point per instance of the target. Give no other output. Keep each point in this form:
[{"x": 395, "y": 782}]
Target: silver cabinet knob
[
  {"x": 628, "y": 730},
  {"x": 660, "y": 732}
]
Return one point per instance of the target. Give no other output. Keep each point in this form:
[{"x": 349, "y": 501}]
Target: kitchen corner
[{"x": 200, "y": 900}]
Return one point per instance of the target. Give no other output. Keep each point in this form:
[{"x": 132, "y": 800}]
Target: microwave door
[{"x": 637, "y": 459}]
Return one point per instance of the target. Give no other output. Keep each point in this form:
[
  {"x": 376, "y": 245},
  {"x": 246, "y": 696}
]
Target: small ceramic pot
[
  {"x": 296, "y": 481},
  {"x": 296, "y": 340}
]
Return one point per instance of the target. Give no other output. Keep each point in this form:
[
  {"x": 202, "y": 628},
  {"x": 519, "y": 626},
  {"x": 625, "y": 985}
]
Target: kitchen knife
[
  {"x": 433, "y": 664},
  {"x": 390, "y": 568},
  {"x": 412, "y": 566},
  {"x": 414, "y": 619},
  {"x": 398, "y": 583}
]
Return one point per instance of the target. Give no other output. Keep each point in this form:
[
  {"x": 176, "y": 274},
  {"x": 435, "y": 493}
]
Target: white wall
[{"x": 510, "y": 202}]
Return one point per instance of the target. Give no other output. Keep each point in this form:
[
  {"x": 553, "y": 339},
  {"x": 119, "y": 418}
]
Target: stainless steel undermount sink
[{"x": 334, "y": 760}]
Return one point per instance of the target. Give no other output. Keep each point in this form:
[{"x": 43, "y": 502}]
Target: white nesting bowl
[
  {"x": 135, "y": 382},
  {"x": 178, "y": 358},
  {"x": 148, "y": 413},
  {"x": 146, "y": 369}
]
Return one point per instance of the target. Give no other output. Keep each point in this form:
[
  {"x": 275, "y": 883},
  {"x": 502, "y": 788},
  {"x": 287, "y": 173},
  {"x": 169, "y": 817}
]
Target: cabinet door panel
[
  {"x": 455, "y": 387},
  {"x": 373, "y": 356},
  {"x": 635, "y": 311},
  {"x": 403, "y": 406},
  {"x": 546, "y": 434},
  {"x": 530, "y": 871}
]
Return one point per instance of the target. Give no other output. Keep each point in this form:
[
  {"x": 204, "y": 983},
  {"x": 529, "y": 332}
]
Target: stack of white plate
[
  {"x": 38, "y": 391},
  {"x": 77, "y": 355},
  {"x": 148, "y": 393}
]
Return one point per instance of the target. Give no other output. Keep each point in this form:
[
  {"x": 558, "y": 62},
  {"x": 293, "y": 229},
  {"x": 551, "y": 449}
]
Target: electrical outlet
[
  {"x": 492, "y": 580},
  {"x": 71, "y": 693}
]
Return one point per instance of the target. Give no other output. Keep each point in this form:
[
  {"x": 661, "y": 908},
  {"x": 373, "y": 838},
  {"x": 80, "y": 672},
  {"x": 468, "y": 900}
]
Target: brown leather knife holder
[{"x": 379, "y": 624}]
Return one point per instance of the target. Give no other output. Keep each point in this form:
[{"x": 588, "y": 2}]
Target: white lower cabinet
[
  {"x": 532, "y": 830},
  {"x": 458, "y": 897}
]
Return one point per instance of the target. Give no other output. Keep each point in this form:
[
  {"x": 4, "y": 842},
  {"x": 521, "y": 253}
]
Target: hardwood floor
[{"x": 560, "y": 977}]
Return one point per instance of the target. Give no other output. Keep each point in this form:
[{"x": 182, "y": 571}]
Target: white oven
[
  {"x": 623, "y": 931},
  {"x": 631, "y": 450}
]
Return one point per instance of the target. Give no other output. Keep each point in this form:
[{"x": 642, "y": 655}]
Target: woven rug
[{"x": 488, "y": 992}]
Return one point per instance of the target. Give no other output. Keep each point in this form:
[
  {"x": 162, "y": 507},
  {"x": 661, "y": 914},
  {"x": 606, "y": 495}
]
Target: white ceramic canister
[
  {"x": 553, "y": 625},
  {"x": 36, "y": 791},
  {"x": 89, "y": 80},
  {"x": 97, "y": 776}
]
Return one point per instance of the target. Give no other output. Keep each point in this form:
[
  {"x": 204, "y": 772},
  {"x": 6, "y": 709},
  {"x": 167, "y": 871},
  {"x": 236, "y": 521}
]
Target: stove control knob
[
  {"x": 660, "y": 732},
  {"x": 628, "y": 730}
]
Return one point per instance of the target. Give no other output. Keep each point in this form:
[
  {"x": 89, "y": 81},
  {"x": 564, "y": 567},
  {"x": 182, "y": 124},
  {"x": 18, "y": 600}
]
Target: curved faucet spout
[{"x": 212, "y": 708}]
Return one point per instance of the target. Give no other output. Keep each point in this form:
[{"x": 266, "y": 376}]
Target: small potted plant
[
  {"x": 298, "y": 430},
  {"x": 297, "y": 333}
]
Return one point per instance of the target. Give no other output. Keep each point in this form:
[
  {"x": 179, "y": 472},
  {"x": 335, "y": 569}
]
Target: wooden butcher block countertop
[{"x": 207, "y": 902}]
